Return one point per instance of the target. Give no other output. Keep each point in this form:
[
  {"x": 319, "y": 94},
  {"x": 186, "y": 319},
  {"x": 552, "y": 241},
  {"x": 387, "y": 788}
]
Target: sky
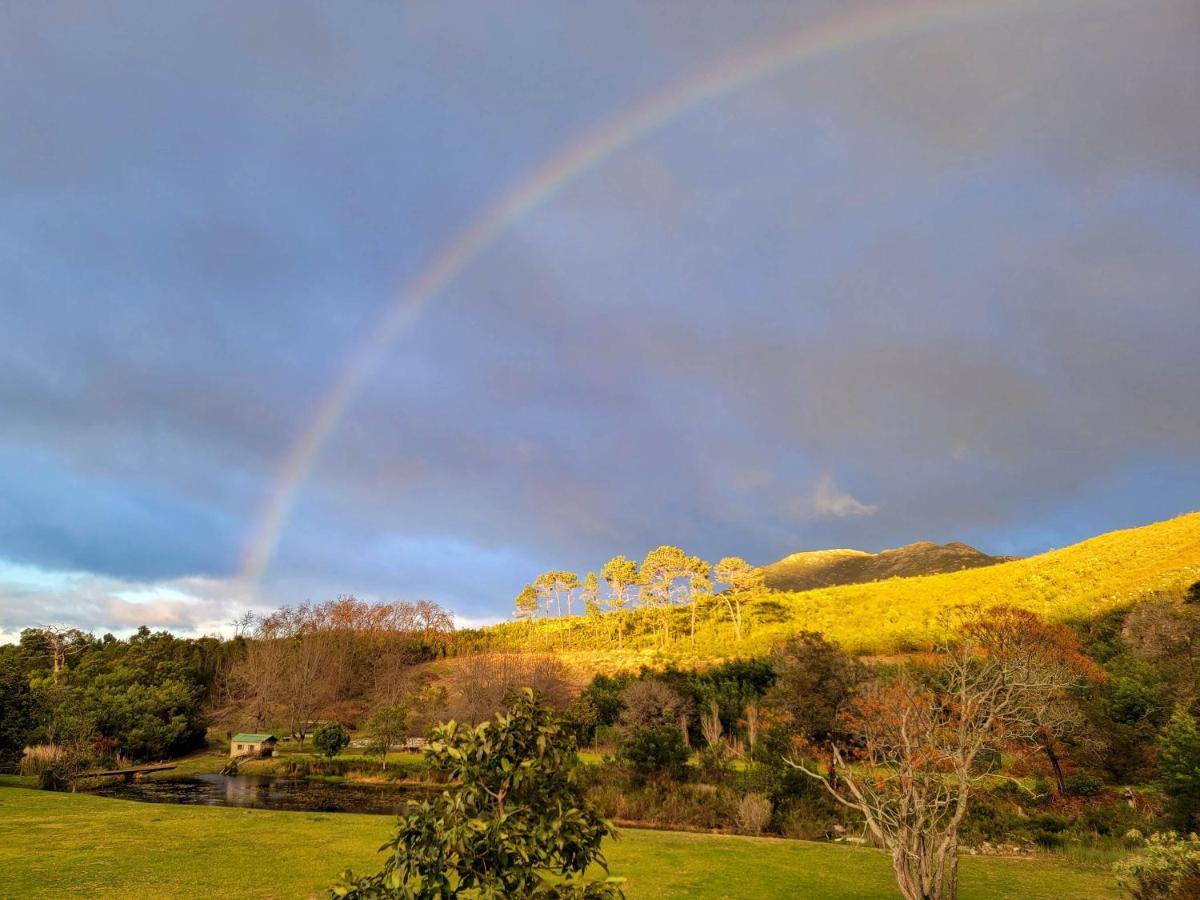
[{"x": 941, "y": 284}]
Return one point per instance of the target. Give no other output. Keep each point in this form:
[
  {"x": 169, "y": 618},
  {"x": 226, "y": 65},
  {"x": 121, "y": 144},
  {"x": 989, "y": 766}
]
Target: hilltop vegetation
[{"x": 1081, "y": 582}]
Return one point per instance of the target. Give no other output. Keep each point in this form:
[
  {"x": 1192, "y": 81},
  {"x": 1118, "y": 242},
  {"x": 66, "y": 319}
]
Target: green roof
[{"x": 256, "y": 738}]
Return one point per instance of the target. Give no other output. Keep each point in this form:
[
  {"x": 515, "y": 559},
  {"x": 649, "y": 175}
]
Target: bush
[
  {"x": 1083, "y": 785},
  {"x": 54, "y": 767},
  {"x": 658, "y": 751},
  {"x": 753, "y": 814},
  {"x": 1179, "y": 765},
  {"x": 1167, "y": 869},
  {"x": 516, "y": 824},
  {"x": 331, "y": 739}
]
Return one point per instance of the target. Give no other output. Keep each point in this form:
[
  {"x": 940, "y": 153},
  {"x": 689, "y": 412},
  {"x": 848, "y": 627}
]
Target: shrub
[
  {"x": 657, "y": 751},
  {"x": 753, "y": 814},
  {"x": 516, "y": 825},
  {"x": 1083, "y": 785},
  {"x": 54, "y": 767},
  {"x": 331, "y": 739},
  {"x": 1167, "y": 869},
  {"x": 714, "y": 764},
  {"x": 648, "y": 704},
  {"x": 1179, "y": 764}
]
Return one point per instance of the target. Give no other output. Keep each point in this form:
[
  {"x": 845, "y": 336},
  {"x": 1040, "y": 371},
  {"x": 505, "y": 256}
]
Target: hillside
[
  {"x": 826, "y": 568},
  {"x": 1079, "y": 582}
]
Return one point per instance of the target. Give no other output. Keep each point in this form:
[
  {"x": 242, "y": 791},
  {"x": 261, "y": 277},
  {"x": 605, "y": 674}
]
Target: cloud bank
[{"x": 957, "y": 271}]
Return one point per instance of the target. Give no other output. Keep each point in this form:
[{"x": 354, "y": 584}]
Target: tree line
[
  {"x": 668, "y": 578},
  {"x": 83, "y": 701}
]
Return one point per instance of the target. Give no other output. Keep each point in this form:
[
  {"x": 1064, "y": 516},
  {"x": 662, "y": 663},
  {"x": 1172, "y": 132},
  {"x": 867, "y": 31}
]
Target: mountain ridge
[{"x": 812, "y": 569}]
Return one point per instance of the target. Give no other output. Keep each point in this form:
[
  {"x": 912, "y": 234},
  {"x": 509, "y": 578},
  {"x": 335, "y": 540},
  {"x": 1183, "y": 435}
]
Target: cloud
[
  {"x": 828, "y": 501},
  {"x": 949, "y": 263},
  {"x": 30, "y": 596}
]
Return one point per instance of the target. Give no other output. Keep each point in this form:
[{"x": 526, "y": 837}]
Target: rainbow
[{"x": 893, "y": 19}]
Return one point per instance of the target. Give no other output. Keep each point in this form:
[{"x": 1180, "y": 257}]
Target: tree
[
  {"x": 699, "y": 585},
  {"x": 528, "y": 603},
  {"x": 566, "y": 583},
  {"x": 18, "y": 710},
  {"x": 742, "y": 580},
  {"x": 1042, "y": 653},
  {"x": 389, "y": 727},
  {"x": 591, "y": 596},
  {"x": 621, "y": 575},
  {"x": 666, "y": 572},
  {"x": 815, "y": 681},
  {"x": 910, "y": 767},
  {"x": 543, "y": 585},
  {"x": 515, "y": 824},
  {"x": 331, "y": 739},
  {"x": 655, "y": 751},
  {"x": 649, "y": 703},
  {"x": 483, "y": 681},
  {"x": 1179, "y": 767}
]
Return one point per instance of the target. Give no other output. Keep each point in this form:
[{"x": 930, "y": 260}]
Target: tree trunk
[{"x": 1046, "y": 739}]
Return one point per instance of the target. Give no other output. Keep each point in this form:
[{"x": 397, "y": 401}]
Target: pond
[{"x": 264, "y": 792}]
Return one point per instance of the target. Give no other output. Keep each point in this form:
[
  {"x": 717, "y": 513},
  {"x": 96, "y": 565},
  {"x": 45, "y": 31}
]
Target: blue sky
[{"x": 944, "y": 287}]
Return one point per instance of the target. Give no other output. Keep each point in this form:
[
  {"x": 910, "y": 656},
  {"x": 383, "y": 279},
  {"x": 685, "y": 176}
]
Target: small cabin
[{"x": 252, "y": 745}]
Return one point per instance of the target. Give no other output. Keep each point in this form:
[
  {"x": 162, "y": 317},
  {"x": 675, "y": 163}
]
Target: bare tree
[
  {"x": 910, "y": 766},
  {"x": 483, "y": 681}
]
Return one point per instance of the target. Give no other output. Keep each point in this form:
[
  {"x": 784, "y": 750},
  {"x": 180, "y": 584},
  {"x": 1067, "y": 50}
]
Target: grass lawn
[{"x": 55, "y": 845}]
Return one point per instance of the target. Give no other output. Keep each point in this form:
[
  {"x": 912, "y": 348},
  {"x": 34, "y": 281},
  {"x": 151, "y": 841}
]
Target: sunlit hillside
[
  {"x": 1077, "y": 582},
  {"x": 829, "y": 568}
]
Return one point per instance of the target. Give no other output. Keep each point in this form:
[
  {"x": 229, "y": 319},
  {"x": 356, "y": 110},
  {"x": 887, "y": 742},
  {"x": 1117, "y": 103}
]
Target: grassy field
[
  {"x": 1074, "y": 583},
  {"x": 55, "y": 845}
]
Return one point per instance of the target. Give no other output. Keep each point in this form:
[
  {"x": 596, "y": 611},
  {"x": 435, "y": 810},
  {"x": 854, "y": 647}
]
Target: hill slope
[
  {"x": 1083, "y": 581},
  {"x": 826, "y": 568}
]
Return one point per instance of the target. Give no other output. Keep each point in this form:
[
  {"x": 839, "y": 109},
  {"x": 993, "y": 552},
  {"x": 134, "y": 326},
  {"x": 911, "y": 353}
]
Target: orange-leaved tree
[{"x": 911, "y": 760}]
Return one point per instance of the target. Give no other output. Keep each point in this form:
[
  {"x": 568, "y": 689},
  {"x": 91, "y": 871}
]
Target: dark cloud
[{"x": 942, "y": 287}]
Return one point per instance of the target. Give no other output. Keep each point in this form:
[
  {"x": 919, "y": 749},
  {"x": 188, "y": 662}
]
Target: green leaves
[{"x": 515, "y": 825}]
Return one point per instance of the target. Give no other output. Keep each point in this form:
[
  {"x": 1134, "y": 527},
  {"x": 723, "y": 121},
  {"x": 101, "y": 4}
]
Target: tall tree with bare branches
[{"x": 909, "y": 767}]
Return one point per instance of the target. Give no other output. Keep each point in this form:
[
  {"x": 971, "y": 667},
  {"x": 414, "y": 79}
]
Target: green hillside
[{"x": 1083, "y": 581}]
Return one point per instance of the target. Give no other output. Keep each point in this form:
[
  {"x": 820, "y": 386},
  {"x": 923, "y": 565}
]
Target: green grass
[{"x": 55, "y": 845}]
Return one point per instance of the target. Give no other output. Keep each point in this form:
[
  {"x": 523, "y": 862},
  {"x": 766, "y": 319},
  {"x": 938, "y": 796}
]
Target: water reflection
[{"x": 264, "y": 792}]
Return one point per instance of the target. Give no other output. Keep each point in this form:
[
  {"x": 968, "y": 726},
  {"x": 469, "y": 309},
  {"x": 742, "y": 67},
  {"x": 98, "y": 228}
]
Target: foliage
[
  {"x": 388, "y": 726},
  {"x": 1179, "y": 767},
  {"x": 516, "y": 824},
  {"x": 656, "y": 751},
  {"x": 909, "y": 765},
  {"x": 814, "y": 682},
  {"x": 650, "y": 703},
  {"x": 1168, "y": 868},
  {"x": 331, "y": 738},
  {"x": 18, "y": 709},
  {"x": 1082, "y": 785},
  {"x": 604, "y": 693}
]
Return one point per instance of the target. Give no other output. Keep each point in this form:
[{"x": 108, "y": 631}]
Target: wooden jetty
[{"x": 130, "y": 773}]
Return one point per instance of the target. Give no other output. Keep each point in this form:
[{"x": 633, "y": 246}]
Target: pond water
[{"x": 264, "y": 792}]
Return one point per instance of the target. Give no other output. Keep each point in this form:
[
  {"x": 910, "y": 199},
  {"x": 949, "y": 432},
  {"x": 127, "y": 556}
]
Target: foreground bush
[
  {"x": 1167, "y": 869},
  {"x": 516, "y": 824}
]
